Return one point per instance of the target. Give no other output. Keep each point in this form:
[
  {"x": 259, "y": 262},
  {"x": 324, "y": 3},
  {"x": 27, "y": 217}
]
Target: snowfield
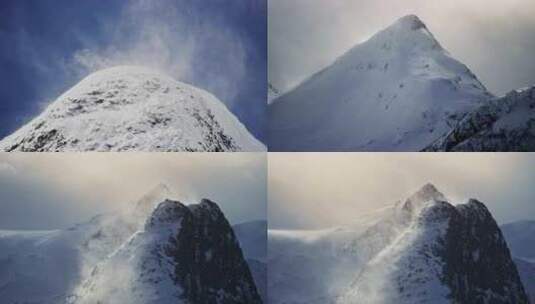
[{"x": 128, "y": 108}]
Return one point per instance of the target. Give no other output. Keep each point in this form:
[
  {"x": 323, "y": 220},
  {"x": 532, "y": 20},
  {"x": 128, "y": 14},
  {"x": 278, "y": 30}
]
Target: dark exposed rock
[
  {"x": 478, "y": 267},
  {"x": 210, "y": 264}
]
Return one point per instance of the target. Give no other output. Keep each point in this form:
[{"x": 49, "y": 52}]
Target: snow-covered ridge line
[{"x": 128, "y": 108}]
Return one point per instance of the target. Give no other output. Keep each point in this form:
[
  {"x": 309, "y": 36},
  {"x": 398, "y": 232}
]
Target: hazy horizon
[
  {"x": 41, "y": 191},
  {"x": 322, "y": 190}
]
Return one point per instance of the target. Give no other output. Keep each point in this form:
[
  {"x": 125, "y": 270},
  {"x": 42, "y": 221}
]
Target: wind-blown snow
[
  {"x": 398, "y": 91},
  {"x": 46, "y": 266},
  {"x": 411, "y": 253},
  {"x": 139, "y": 272},
  {"x": 129, "y": 108}
]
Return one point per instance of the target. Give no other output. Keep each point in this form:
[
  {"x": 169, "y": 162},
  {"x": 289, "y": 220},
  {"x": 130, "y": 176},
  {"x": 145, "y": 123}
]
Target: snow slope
[
  {"x": 398, "y": 91},
  {"x": 421, "y": 250},
  {"x": 129, "y": 108},
  {"x": 28, "y": 259},
  {"x": 506, "y": 123}
]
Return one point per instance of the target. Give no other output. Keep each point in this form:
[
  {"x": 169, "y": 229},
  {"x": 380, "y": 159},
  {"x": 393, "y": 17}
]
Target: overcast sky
[
  {"x": 48, "y": 46},
  {"x": 494, "y": 38},
  {"x": 318, "y": 190},
  {"x": 47, "y": 191}
]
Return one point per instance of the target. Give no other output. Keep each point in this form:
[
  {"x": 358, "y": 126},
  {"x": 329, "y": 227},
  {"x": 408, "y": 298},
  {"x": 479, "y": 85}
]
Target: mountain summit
[
  {"x": 128, "y": 108},
  {"x": 398, "y": 91}
]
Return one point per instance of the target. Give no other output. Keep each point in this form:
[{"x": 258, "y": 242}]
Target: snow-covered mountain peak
[
  {"x": 411, "y": 22},
  {"x": 398, "y": 91},
  {"x": 129, "y": 108},
  {"x": 427, "y": 193}
]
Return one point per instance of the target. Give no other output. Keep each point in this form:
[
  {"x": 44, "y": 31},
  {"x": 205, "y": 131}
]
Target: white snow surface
[
  {"x": 139, "y": 272},
  {"x": 398, "y": 91},
  {"x": 130, "y": 108}
]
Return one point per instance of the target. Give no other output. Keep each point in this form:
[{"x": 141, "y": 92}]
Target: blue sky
[{"x": 48, "y": 46}]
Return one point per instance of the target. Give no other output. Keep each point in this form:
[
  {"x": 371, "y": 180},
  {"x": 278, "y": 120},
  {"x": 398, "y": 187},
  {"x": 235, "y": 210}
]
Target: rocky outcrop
[{"x": 502, "y": 124}]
